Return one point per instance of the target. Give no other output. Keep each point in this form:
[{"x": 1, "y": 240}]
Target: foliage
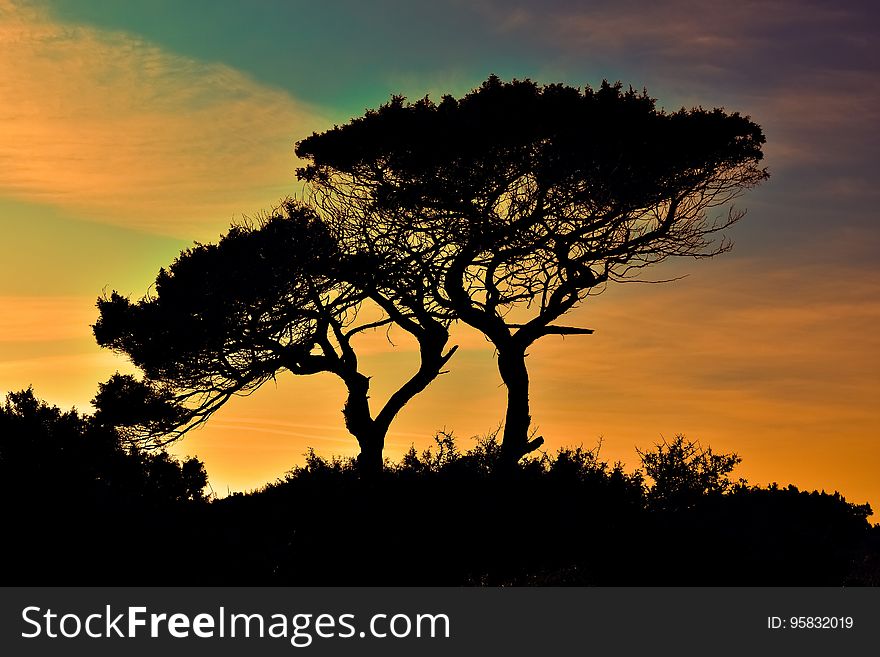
[
  {"x": 683, "y": 472},
  {"x": 449, "y": 516},
  {"x": 80, "y": 506},
  {"x": 222, "y": 320},
  {"x": 48, "y": 452},
  {"x": 125, "y": 402}
]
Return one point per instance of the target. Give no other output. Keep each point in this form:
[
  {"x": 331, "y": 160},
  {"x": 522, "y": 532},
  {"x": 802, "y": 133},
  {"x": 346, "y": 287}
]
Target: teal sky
[
  {"x": 86, "y": 251},
  {"x": 807, "y": 71},
  {"x": 342, "y": 55}
]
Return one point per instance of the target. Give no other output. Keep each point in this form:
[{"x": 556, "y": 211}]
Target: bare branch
[{"x": 558, "y": 330}]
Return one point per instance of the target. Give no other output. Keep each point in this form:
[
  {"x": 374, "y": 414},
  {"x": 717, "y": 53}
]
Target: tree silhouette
[
  {"x": 80, "y": 506},
  {"x": 280, "y": 293},
  {"x": 517, "y": 202},
  {"x": 684, "y": 472}
]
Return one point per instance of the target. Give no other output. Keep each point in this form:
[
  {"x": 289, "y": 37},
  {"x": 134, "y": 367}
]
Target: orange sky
[
  {"x": 117, "y": 153},
  {"x": 741, "y": 364},
  {"x": 737, "y": 361}
]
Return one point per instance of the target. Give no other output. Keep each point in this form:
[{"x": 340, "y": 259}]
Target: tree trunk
[
  {"x": 515, "y": 442},
  {"x": 359, "y": 422},
  {"x": 370, "y": 462},
  {"x": 369, "y": 432},
  {"x": 432, "y": 361}
]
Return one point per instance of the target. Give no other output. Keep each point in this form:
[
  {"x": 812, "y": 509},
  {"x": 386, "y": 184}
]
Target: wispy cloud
[
  {"x": 66, "y": 380},
  {"x": 773, "y": 362},
  {"x": 809, "y": 72},
  {"x": 46, "y": 342},
  {"x": 112, "y": 126},
  {"x": 45, "y": 318},
  {"x": 708, "y": 37}
]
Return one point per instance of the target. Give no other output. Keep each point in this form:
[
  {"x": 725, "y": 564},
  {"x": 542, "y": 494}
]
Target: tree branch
[{"x": 557, "y": 330}]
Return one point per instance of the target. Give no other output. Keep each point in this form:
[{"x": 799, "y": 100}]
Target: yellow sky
[{"x": 111, "y": 141}]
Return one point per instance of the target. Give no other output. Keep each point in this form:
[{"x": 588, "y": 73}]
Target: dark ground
[{"x": 79, "y": 509}]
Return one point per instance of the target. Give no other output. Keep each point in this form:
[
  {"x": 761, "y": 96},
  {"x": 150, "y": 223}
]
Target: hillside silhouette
[{"x": 80, "y": 507}]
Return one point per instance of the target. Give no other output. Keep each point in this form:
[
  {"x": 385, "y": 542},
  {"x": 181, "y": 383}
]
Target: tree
[
  {"x": 683, "y": 473},
  {"x": 517, "y": 202},
  {"x": 63, "y": 458},
  {"x": 281, "y": 293},
  {"x": 80, "y": 506}
]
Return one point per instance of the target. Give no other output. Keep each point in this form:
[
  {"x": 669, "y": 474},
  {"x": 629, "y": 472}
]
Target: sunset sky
[{"x": 130, "y": 129}]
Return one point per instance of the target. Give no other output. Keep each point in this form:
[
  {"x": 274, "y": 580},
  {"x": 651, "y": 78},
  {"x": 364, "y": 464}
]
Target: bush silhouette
[
  {"x": 683, "y": 473},
  {"x": 446, "y": 516},
  {"x": 79, "y": 507},
  {"x": 78, "y": 504}
]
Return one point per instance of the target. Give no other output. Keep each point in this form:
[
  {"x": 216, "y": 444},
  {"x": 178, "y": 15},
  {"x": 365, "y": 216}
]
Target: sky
[{"x": 130, "y": 130}]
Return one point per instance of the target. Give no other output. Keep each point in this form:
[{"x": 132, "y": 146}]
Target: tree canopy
[
  {"x": 223, "y": 318},
  {"x": 275, "y": 294},
  {"x": 518, "y": 201}
]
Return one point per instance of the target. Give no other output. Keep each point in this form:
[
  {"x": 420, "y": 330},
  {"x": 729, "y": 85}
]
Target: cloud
[
  {"x": 45, "y": 318},
  {"x": 821, "y": 128},
  {"x": 808, "y": 72},
  {"x": 65, "y": 380},
  {"x": 743, "y": 342},
  {"x": 46, "y": 342},
  {"x": 687, "y": 37},
  {"x": 117, "y": 129}
]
